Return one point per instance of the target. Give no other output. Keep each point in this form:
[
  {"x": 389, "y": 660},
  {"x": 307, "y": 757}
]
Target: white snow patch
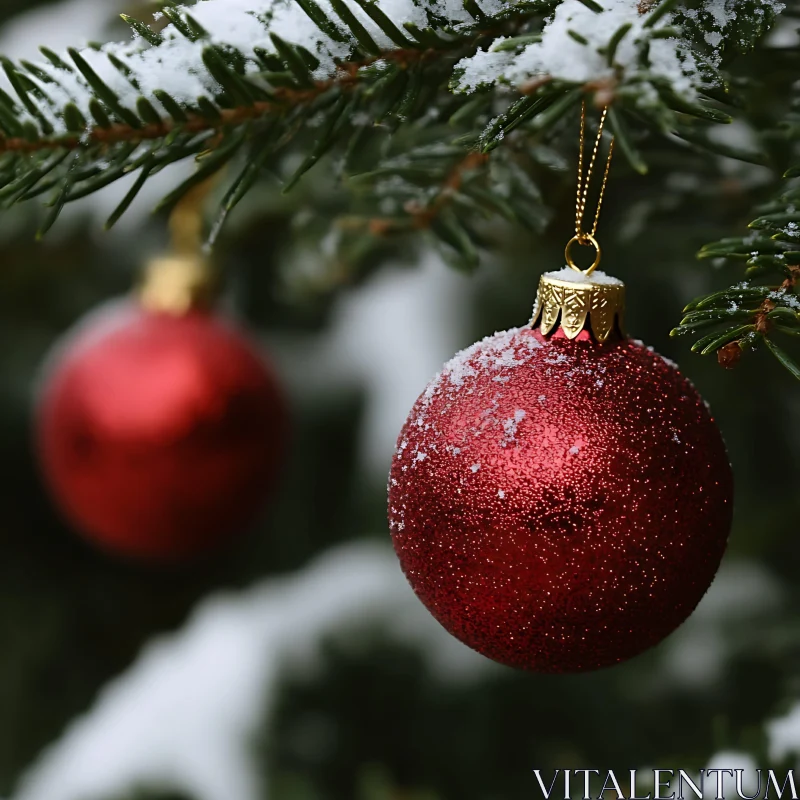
[
  {"x": 573, "y": 276},
  {"x": 184, "y": 715},
  {"x": 743, "y": 593},
  {"x": 511, "y": 425},
  {"x": 388, "y": 335},
  {"x": 177, "y": 64},
  {"x": 786, "y": 298},
  {"x": 735, "y": 761},
  {"x": 574, "y": 41},
  {"x": 503, "y": 351},
  {"x": 562, "y": 55},
  {"x": 783, "y": 734}
]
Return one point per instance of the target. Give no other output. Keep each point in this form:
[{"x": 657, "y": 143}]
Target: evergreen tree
[{"x": 345, "y": 138}]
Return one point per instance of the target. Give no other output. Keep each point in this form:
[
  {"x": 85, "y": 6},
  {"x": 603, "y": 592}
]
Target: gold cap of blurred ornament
[
  {"x": 177, "y": 284},
  {"x": 184, "y": 279}
]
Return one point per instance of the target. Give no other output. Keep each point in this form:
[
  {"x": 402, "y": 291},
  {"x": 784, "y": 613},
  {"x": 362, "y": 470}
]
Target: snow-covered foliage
[
  {"x": 580, "y": 44},
  {"x": 410, "y": 95},
  {"x": 574, "y": 47},
  {"x": 179, "y": 66}
]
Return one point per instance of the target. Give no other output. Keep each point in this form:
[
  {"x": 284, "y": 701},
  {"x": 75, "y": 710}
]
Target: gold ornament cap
[
  {"x": 572, "y": 297},
  {"x": 177, "y": 284},
  {"x": 184, "y": 279}
]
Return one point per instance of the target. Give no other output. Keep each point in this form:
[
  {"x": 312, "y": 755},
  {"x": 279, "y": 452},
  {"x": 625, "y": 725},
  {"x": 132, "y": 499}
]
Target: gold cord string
[
  {"x": 582, "y": 236},
  {"x": 186, "y": 220}
]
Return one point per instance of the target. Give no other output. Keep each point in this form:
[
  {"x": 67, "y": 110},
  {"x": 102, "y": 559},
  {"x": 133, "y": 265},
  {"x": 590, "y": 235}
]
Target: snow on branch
[
  {"x": 581, "y": 44},
  {"x": 238, "y": 47},
  {"x": 273, "y": 79},
  {"x": 585, "y": 42}
]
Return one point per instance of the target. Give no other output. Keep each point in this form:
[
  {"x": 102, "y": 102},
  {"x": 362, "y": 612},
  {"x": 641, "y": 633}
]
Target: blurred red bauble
[
  {"x": 159, "y": 434},
  {"x": 558, "y": 504}
]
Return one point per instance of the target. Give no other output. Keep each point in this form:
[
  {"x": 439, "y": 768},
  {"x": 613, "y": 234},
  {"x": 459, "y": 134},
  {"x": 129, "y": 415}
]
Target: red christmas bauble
[
  {"x": 560, "y": 505},
  {"x": 159, "y": 434}
]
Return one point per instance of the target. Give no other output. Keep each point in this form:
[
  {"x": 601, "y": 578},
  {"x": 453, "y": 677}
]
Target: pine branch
[
  {"x": 438, "y": 211},
  {"x": 180, "y": 93},
  {"x": 190, "y": 122},
  {"x": 239, "y": 103},
  {"x": 737, "y": 319},
  {"x": 766, "y": 305},
  {"x": 440, "y": 190}
]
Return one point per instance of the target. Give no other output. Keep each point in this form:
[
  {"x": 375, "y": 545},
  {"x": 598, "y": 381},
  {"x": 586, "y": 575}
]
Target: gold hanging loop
[
  {"x": 583, "y": 237},
  {"x": 587, "y": 239}
]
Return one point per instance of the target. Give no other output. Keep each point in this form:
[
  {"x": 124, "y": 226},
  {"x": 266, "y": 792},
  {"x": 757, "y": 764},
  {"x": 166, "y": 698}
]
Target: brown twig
[
  {"x": 532, "y": 85},
  {"x": 423, "y": 216},
  {"x": 604, "y": 91},
  {"x": 729, "y": 355},
  {"x": 762, "y": 323}
]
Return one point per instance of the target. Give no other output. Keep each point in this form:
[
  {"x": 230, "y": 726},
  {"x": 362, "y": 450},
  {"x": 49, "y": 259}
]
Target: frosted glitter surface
[{"x": 559, "y": 505}]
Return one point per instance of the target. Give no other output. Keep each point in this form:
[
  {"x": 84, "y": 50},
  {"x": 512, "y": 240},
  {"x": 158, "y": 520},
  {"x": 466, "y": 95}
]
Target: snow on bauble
[{"x": 560, "y": 505}]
